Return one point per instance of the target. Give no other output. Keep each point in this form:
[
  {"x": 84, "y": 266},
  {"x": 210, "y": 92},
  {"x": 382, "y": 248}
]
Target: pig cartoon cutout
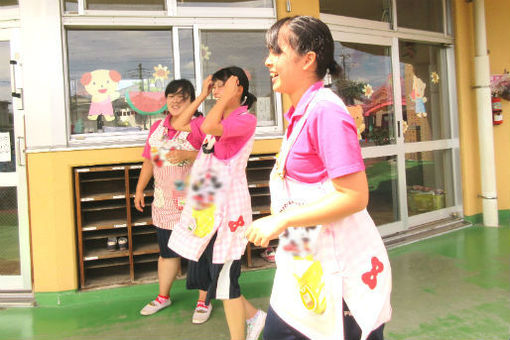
[{"x": 102, "y": 86}]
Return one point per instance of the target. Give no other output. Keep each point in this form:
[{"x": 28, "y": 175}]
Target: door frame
[{"x": 22, "y": 282}]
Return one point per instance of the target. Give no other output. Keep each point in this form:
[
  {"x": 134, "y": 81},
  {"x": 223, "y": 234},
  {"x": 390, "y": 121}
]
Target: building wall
[{"x": 497, "y": 14}]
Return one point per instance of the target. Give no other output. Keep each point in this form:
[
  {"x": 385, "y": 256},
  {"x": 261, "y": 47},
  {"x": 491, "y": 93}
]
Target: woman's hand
[
  {"x": 139, "y": 201},
  {"x": 231, "y": 89},
  {"x": 207, "y": 86},
  {"x": 176, "y": 156},
  {"x": 265, "y": 229}
]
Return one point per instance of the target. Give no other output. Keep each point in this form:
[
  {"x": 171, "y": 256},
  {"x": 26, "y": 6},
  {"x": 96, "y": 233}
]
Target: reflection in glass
[
  {"x": 367, "y": 90},
  {"x": 126, "y": 5},
  {"x": 424, "y": 92},
  {"x": 187, "y": 58},
  {"x": 246, "y": 49},
  {"x": 226, "y": 3},
  {"x": 117, "y": 79},
  {"x": 7, "y": 150},
  {"x": 383, "y": 185},
  {"x": 9, "y": 236},
  {"x": 429, "y": 177},
  {"x": 422, "y": 15},
  {"x": 378, "y": 10}
]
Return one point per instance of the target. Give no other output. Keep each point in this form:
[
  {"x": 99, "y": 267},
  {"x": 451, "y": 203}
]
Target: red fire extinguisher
[{"x": 497, "y": 111}]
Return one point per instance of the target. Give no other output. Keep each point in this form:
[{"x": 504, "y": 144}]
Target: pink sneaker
[{"x": 202, "y": 313}]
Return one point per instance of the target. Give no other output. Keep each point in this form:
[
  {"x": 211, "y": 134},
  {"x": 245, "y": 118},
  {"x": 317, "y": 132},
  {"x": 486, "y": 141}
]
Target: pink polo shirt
[
  {"x": 238, "y": 128},
  {"x": 327, "y": 146},
  {"x": 194, "y": 140}
]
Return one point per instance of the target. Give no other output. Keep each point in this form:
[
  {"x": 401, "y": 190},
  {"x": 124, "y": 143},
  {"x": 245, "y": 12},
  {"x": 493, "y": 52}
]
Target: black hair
[
  {"x": 183, "y": 87},
  {"x": 307, "y": 34},
  {"x": 247, "y": 98}
]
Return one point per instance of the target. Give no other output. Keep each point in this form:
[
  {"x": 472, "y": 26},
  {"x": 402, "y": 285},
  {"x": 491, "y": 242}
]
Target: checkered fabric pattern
[{"x": 233, "y": 210}]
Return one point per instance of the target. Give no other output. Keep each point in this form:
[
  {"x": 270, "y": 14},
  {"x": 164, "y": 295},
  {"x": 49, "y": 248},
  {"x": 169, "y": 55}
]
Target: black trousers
[{"x": 277, "y": 329}]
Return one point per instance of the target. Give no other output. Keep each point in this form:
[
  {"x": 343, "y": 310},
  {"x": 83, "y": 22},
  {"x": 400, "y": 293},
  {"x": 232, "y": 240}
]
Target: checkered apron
[
  {"x": 169, "y": 179},
  {"x": 227, "y": 212},
  {"x": 345, "y": 259}
]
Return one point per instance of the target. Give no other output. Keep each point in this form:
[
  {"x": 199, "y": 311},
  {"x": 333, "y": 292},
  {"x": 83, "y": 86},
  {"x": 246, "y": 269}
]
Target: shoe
[
  {"x": 255, "y": 325},
  {"x": 202, "y": 313},
  {"x": 111, "y": 243},
  {"x": 123, "y": 243},
  {"x": 268, "y": 254},
  {"x": 155, "y": 306}
]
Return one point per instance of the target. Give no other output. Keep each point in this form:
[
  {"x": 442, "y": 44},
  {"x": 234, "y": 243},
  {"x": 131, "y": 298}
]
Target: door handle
[{"x": 21, "y": 160}]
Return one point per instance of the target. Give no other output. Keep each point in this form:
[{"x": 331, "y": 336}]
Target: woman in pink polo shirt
[
  {"x": 333, "y": 277},
  {"x": 168, "y": 156},
  {"x": 218, "y": 205}
]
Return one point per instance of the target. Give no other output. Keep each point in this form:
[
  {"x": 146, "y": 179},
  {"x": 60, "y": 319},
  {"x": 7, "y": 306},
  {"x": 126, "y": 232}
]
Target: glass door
[
  {"x": 398, "y": 95},
  {"x": 14, "y": 230}
]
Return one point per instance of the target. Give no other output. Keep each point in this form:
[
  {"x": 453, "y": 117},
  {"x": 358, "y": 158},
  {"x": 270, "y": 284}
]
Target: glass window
[
  {"x": 187, "y": 58},
  {"x": 429, "y": 178},
  {"x": 71, "y": 6},
  {"x": 419, "y": 14},
  {"x": 126, "y": 5},
  {"x": 5, "y": 3},
  {"x": 117, "y": 79},
  {"x": 383, "y": 185},
  {"x": 247, "y": 50},
  {"x": 425, "y": 97},
  {"x": 226, "y": 3},
  {"x": 366, "y": 88},
  {"x": 378, "y": 10}
]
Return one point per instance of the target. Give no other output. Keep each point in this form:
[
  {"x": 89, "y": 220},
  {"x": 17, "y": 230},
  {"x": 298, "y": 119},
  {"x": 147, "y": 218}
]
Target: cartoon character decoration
[
  {"x": 102, "y": 86},
  {"x": 301, "y": 243},
  {"x": 356, "y": 112},
  {"x": 204, "y": 189},
  {"x": 418, "y": 97}
]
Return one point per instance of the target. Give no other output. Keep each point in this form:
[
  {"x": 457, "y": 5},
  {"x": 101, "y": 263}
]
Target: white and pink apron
[
  {"x": 169, "y": 179},
  {"x": 218, "y": 201},
  {"x": 318, "y": 266}
]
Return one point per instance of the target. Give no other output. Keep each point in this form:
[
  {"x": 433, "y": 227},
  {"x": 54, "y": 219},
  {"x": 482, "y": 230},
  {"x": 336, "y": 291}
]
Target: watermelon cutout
[{"x": 146, "y": 103}]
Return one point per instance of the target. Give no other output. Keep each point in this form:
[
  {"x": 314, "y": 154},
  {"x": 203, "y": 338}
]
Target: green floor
[{"x": 454, "y": 286}]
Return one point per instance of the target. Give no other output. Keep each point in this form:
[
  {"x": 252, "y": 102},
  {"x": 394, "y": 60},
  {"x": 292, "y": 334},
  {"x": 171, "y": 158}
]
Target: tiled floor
[{"x": 454, "y": 286}]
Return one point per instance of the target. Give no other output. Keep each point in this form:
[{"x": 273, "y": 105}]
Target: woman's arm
[
  {"x": 349, "y": 197},
  {"x": 177, "y": 156},
  {"x": 182, "y": 121},
  {"x": 143, "y": 180},
  {"x": 212, "y": 122}
]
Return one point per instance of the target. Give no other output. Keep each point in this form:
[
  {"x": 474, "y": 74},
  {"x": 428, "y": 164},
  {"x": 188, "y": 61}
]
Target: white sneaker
[
  {"x": 201, "y": 313},
  {"x": 154, "y": 306},
  {"x": 255, "y": 325}
]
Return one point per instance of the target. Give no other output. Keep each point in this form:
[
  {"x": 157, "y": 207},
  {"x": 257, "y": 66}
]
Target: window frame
[{"x": 173, "y": 24}]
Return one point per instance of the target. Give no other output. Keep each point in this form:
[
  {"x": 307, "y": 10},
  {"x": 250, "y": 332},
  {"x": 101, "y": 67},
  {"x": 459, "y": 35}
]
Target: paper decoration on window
[
  {"x": 146, "y": 103},
  {"x": 368, "y": 90},
  {"x": 434, "y": 77},
  {"x": 418, "y": 97},
  {"x": 356, "y": 112},
  {"x": 206, "y": 54},
  {"x": 102, "y": 86},
  {"x": 5, "y": 147}
]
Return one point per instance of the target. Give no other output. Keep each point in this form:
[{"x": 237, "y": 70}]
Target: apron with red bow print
[{"x": 319, "y": 265}]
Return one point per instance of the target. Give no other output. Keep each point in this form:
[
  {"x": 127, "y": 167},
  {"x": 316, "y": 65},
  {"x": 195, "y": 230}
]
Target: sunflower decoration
[
  {"x": 160, "y": 74},
  {"x": 434, "y": 77},
  {"x": 206, "y": 54},
  {"x": 368, "y": 91}
]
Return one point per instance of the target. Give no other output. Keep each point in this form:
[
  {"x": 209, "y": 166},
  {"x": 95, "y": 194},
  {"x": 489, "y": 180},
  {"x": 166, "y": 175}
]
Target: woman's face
[
  {"x": 217, "y": 89},
  {"x": 177, "y": 102},
  {"x": 284, "y": 68}
]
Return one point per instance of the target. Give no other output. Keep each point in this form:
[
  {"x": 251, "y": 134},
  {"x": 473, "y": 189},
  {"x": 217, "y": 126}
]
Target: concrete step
[
  {"x": 424, "y": 231},
  {"x": 16, "y": 299}
]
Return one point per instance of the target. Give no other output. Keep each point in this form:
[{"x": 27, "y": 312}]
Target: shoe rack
[
  {"x": 258, "y": 170},
  {"x": 105, "y": 210}
]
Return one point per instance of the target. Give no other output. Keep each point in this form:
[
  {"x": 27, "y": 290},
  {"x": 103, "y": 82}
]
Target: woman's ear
[{"x": 309, "y": 61}]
